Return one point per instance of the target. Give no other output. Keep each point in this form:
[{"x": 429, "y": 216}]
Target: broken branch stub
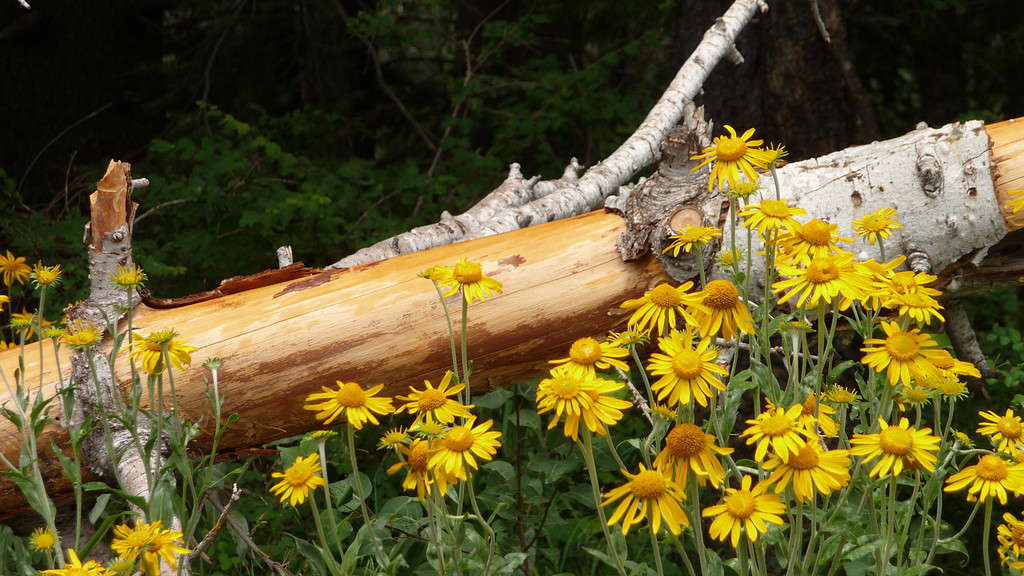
[{"x": 95, "y": 388}]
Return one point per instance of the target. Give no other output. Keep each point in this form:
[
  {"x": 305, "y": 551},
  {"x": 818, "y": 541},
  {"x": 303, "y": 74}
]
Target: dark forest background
[{"x": 330, "y": 124}]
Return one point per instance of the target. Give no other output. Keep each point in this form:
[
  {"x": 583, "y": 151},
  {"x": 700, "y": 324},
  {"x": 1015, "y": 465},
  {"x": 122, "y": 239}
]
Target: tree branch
[
  {"x": 186, "y": 562},
  {"x": 573, "y": 196},
  {"x": 243, "y": 535}
]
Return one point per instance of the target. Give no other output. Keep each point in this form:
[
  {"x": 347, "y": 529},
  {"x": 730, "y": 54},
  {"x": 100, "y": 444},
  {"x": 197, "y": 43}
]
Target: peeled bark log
[{"x": 380, "y": 323}]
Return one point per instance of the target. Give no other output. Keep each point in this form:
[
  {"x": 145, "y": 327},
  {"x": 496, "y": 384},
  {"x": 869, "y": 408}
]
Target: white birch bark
[{"x": 938, "y": 180}]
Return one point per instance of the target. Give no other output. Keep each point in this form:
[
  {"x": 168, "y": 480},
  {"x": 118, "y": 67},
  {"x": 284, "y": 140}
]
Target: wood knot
[
  {"x": 685, "y": 217},
  {"x": 929, "y": 171},
  {"x": 919, "y": 261}
]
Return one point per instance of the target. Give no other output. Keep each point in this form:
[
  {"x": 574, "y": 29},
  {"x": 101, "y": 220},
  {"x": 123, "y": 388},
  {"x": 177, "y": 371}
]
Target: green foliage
[{"x": 234, "y": 180}]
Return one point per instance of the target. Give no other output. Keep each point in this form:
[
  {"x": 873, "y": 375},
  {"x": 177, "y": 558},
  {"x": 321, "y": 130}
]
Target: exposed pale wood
[
  {"x": 1008, "y": 159},
  {"x": 110, "y": 204},
  {"x": 381, "y": 323}
]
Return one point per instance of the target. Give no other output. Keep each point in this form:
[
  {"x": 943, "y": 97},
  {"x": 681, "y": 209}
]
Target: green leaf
[
  {"x": 71, "y": 469},
  {"x": 101, "y": 532},
  {"x": 348, "y": 563},
  {"x": 99, "y": 507},
  {"x": 313, "y": 554},
  {"x": 838, "y": 370},
  {"x": 494, "y": 399},
  {"x": 507, "y": 471}
]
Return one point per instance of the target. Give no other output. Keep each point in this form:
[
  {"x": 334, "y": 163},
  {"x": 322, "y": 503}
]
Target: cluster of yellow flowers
[
  {"x": 139, "y": 549},
  {"x": 443, "y": 444},
  {"x": 790, "y": 443}
]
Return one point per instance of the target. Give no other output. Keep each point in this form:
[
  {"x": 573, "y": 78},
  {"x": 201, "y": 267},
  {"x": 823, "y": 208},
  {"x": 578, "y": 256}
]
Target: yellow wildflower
[
  {"x": 731, "y": 156},
  {"x": 297, "y": 481}
]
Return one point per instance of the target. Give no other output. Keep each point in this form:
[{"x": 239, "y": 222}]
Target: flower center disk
[
  {"x": 431, "y": 399},
  {"x": 729, "y": 149},
  {"x": 585, "y": 351},
  {"x": 350, "y": 395},
  {"x": 298, "y": 475},
  {"x": 991, "y": 467},
  {"x": 1009, "y": 427},
  {"x": 419, "y": 454},
  {"x": 776, "y": 425},
  {"x": 805, "y": 459},
  {"x": 565, "y": 387},
  {"x": 902, "y": 346},
  {"x": 685, "y": 441},
  {"x": 808, "y": 406},
  {"x": 721, "y": 295},
  {"x": 665, "y": 296},
  {"x": 648, "y": 484},
  {"x": 896, "y": 441},
  {"x": 459, "y": 439},
  {"x": 816, "y": 233},
  {"x": 775, "y": 208},
  {"x": 467, "y": 272},
  {"x": 740, "y": 504},
  {"x": 687, "y": 364},
  {"x": 822, "y": 270}
]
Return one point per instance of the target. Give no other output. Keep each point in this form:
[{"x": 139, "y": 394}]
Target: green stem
[
  {"x": 325, "y": 548},
  {"x": 483, "y": 523},
  {"x": 435, "y": 530},
  {"x": 732, "y": 240},
  {"x": 985, "y": 537},
  {"x": 465, "y": 348},
  {"x": 656, "y": 550},
  {"x": 678, "y": 545},
  {"x": 328, "y": 501},
  {"x": 905, "y": 530},
  {"x": 695, "y": 523},
  {"x": 741, "y": 552},
  {"x": 39, "y": 328},
  {"x": 643, "y": 374},
  {"x": 357, "y": 484},
  {"x": 451, "y": 331},
  {"x": 970, "y": 520},
  {"x": 588, "y": 457},
  {"x": 700, "y": 263},
  {"x": 615, "y": 453},
  {"x": 775, "y": 179},
  {"x": 796, "y": 537},
  {"x": 889, "y": 516}
]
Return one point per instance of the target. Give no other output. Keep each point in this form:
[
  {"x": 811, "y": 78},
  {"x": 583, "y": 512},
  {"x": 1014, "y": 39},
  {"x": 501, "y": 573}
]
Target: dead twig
[
  {"x": 162, "y": 205},
  {"x": 72, "y": 126},
  {"x": 470, "y": 67},
  {"x": 186, "y": 565},
  {"x": 379, "y": 73},
  {"x": 822, "y": 29},
  {"x": 243, "y": 535}
]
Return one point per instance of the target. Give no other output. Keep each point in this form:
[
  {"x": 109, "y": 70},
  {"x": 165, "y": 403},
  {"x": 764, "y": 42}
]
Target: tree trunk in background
[{"x": 792, "y": 85}]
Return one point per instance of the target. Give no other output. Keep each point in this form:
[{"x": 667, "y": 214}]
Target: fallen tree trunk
[{"x": 563, "y": 280}]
